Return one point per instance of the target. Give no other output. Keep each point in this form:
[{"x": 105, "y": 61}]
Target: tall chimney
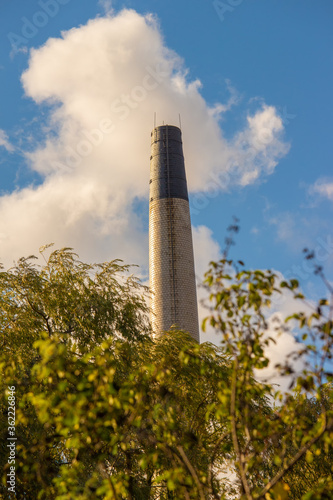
[{"x": 171, "y": 262}]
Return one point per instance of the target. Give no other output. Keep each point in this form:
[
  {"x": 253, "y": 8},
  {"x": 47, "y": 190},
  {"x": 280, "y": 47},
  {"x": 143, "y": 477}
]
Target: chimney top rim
[{"x": 165, "y": 127}]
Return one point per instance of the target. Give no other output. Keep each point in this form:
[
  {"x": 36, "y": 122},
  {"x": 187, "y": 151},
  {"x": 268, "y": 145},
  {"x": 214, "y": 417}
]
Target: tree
[
  {"x": 75, "y": 305},
  {"x": 105, "y": 411},
  {"x": 274, "y": 450}
]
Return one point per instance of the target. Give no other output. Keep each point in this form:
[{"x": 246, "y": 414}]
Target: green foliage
[
  {"x": 105, "y": 411},
  {"x": 285, "y": 452}
]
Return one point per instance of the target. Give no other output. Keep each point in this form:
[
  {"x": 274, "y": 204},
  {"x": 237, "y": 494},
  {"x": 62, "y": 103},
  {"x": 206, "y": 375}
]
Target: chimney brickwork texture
[{"x": 171, "y": 261}]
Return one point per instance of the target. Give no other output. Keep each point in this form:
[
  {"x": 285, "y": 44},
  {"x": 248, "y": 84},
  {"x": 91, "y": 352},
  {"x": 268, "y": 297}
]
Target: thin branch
[
  {"x": 104, "y": 474},
  {"x": 112, "y": 488},
  {"x": 192, "y": 471},
  {"x": 40, "y": 313},
  {"x": 234, "y": 432},
  {"x": 326, "y": 426},
  {"x": 210, "y": 475},
  {"x": 171, "y": 453}
]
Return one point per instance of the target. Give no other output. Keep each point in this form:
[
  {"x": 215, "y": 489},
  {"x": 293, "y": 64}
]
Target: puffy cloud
[
  {"x": 284, "y": 347},
  {"x": 69, "y": 212},
  {"x": 282, "y": 350},
  {"x": 4, "y": 142},
  {"x": 257, "y": 149},
  {"x": 107, "y": 5},
  {"x": 322, "y": 187},
  {"x": 102, "y": 84},
  {"x": 206, "y": 249}
]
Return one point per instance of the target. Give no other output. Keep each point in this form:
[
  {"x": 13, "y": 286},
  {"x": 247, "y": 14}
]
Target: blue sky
[{"x": 262, "y": 112}]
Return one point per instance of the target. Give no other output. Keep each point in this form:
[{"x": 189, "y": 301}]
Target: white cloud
[
  {"x": 4, "y": 142},
  {"x": 263, "y": 127},
  {"x": 285, "y": 226},
  {"x": 284, "y": 348},
  {"x": 219, "y": 108},
  {"x": 102, "y": 83},
  {"x": 298, "y": 232},
  {"x": 322, "y": 187},
  {"x": 106, "y": 5},
  {"x": 70, "y": 212},
  {"x": 257, "y": 149},
  {"x": 206, "y": 249}
]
